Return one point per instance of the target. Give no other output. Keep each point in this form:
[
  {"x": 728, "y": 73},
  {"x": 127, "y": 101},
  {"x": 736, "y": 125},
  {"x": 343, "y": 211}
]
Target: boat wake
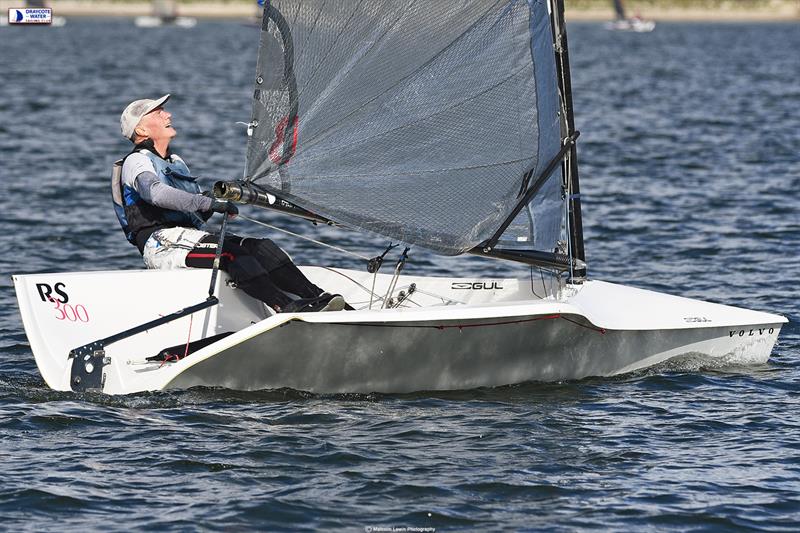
[{"x": 734, "y": 363}]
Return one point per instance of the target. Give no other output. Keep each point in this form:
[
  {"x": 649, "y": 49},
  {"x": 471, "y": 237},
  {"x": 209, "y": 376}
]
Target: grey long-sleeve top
[{"x": 139, "y": 174}]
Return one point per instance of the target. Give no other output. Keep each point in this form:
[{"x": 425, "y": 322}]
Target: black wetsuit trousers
[{"x": 258, "y": 266}]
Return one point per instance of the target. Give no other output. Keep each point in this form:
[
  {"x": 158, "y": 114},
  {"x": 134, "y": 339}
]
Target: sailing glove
[{"x": 222, "y": 206}]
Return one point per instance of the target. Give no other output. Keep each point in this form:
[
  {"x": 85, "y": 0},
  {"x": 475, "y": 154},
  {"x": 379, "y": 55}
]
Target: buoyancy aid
[{"x": 138, "y": 218}]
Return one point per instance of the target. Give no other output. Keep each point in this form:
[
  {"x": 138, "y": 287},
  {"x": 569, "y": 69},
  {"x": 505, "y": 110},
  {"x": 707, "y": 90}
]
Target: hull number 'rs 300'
[
  {"x": 751, "y": 332},
  {"x": 477, "y": 286},
  {"x": 45, "y": 292}
]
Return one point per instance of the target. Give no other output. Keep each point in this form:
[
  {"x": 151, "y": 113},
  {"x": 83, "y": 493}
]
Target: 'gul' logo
[
  {"x": 477, "y": 286},
  {"x": 46, "y": 290},
  {"x": 751, "y": 333}
]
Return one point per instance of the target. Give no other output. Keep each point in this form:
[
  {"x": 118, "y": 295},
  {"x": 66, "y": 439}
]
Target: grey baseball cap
[{"x": 135, "y": 111}]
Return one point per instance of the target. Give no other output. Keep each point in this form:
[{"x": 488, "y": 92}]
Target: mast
[{"x": 570, "y": 163}]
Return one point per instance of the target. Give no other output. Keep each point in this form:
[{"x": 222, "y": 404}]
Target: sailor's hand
[{"x": 223, "y": 206}]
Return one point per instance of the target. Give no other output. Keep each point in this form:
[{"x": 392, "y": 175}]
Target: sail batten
[{"x": 416, "y": 121}]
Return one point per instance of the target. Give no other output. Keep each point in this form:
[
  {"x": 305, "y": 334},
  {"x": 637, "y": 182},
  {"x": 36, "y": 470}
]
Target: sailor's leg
[
  {"x": 280, "y": 267},
  {"x": 244, "y": 269}
]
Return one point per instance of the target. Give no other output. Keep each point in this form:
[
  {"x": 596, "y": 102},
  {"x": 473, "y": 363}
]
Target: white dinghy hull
[{"x": 450, "y": 333}]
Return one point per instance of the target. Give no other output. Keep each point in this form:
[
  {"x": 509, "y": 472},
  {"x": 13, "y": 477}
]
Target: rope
[
  {"x": 188, "y": 337},
  {"x": 372, "y": 291},
  {"x": 393, "y": 283},
  {"x": 320, "y": 243},
  {"x": 568, "y": 226}
]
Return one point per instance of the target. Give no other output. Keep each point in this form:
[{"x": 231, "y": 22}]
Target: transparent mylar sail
[{"x": 414, "y": 120}]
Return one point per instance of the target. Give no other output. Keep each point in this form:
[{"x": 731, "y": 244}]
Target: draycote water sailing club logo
[{"x": 23, "y": 15}]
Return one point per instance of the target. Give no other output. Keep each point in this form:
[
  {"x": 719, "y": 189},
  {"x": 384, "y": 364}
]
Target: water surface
[{"x": 690, "y": 172}]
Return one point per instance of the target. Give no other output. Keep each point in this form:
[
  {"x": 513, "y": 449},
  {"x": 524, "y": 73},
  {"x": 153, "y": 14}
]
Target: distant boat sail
[{"x": 622, "y": 23}]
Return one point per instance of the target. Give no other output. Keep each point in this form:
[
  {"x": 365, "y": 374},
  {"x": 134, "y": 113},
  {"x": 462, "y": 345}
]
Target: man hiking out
[{"x": 161, "y": 210}]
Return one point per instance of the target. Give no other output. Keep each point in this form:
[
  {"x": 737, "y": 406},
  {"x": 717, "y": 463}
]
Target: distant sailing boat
[
  {"x": 164, "y": 13},
  {"x": 442, "y": 125},
  {"x": 623, "y": 23}
]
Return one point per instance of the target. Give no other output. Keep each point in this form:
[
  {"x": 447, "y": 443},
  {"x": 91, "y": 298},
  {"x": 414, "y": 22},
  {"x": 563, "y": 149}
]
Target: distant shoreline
[
  {"x": 783, "y": 11},
  {"x": 775, "y": 10}
]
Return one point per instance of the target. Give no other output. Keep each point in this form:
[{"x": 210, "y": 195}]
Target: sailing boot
[{"x": 325, "y": 302}]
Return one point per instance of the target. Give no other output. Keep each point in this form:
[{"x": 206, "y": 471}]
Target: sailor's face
[{"x": 157, "y": 125}]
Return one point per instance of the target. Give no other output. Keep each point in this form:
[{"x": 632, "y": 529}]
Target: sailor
[{"x": 162, "y": 212}]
